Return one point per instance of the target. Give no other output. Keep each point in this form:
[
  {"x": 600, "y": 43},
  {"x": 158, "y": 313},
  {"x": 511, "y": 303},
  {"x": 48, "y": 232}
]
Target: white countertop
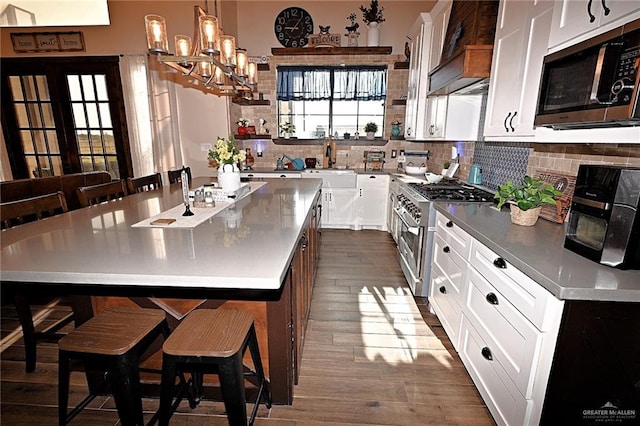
[
  {"x": 248, "y": 246},
  {"x": 538, "y": 251}
]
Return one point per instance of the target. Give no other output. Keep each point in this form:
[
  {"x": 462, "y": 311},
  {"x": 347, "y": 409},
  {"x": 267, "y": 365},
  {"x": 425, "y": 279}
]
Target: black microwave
[
  {"x": 594, "y": 83},
  {"x": 604, "y": 222}
]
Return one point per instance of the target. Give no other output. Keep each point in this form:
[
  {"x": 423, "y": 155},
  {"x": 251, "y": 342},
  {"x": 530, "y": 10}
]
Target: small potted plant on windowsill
[
  {"x": 287, "y": 129},
  {"x": 445, "y": 169},
  {"x": 526, "y": 200},
  {"x": 370, "y": 129}
]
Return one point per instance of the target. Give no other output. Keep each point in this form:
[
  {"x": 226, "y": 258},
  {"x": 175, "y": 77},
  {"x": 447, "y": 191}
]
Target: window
[
  {"x": 323, "y": 101},
  {"x": 64, "y": 115}
]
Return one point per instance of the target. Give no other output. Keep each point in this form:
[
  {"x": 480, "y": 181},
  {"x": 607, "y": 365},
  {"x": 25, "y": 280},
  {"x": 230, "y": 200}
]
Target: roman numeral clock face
[{"x": 292, "y": 27}]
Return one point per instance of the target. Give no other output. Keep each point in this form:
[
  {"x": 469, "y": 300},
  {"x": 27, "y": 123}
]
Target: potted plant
[
  {"x": 526, "y": 200},
  {"x": 370, "y": 129},
  {"x": 287, "y": 129},
  {"x": 445, "y": 168},
  {"x": 228, "y": 157}
]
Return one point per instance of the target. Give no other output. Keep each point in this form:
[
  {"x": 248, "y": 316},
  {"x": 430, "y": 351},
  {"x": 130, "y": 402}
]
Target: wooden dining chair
[
  {"x": 175, "y": 176},
  {"x": 144, "y": 183},
  {"x": 15, "y": 213},
  {"x": 96, "y": 194}
]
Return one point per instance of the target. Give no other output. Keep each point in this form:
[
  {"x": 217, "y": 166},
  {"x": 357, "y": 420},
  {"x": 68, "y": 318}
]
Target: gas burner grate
[{"x": 451, "y": 192}]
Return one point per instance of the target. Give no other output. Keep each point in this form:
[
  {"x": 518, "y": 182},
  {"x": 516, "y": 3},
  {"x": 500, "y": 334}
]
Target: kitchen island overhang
[{"x": 252, "y": 263}]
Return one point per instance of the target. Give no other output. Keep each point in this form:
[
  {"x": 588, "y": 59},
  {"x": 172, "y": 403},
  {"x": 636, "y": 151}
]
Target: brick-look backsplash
[{"x": 565, "y": 158}]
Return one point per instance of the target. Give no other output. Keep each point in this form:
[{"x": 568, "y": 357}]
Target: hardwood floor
[{"x": 373, "y": 356}]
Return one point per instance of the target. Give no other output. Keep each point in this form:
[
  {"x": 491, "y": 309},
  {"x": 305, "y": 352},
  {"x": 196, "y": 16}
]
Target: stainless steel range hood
[{"x": 468, "y": 49}]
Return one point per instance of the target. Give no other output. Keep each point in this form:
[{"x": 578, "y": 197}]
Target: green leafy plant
[
  {"x": 287, "y": 127},
  {"x": 532, "y": 193},
  {"x": 373, "y": 13},
  {"x": 447, "y": 164},
  {"x": 371, "y": 127}
]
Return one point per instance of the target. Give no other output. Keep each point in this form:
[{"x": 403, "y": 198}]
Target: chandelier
[{"x": 210, "y": 57}]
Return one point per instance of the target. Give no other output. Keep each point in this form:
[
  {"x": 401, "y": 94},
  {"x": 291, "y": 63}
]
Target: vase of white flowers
[{"x": 228, "y": 157}]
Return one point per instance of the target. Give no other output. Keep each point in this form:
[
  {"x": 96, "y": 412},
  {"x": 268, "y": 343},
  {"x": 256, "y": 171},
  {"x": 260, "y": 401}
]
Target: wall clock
[{"x": 292, "y": 27}]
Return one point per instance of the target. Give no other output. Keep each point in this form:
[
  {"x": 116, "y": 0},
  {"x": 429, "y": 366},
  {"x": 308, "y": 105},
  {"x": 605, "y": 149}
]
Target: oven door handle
[{"x": 409, "y": 227}]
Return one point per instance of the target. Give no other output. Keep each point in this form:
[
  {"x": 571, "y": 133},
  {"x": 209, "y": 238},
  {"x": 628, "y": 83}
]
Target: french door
[{"x": 64, "y": 115}]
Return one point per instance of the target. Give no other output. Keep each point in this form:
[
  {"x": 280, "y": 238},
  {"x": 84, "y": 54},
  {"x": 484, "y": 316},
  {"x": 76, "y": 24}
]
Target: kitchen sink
[{"x": 333, "y": 178}]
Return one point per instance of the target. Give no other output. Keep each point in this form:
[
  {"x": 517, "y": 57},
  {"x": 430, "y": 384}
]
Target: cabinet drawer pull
[
  {"x": 605, "y": 8},
  {"x": 500, "y": 263},
  {"x": 492, "y": 298},
  {"x": 442, "y": 290},
  {"x": 486, "y": 353},
  {"x": 446, "y": 249},
  {"x": 505, "y": 122},
  {"x": 449, "y": 224},
  {"x": 591, "y": 16}
]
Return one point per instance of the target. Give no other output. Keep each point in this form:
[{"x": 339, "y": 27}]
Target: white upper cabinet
[
  {"x": 453, "y": 117},
  {"x": 578, "y": 20},
  {"x": 427, "y": 35},
  {"x": 520, "y": 45}
]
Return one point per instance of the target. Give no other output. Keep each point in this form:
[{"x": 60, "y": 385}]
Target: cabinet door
[
  {"x": 420, "y": 36},
  {"x": 577, "y": 20},
  {"x": 435, "y": 117},
  {"x": 440, "y": 19},
  {"x": 338, "y": 207},
  {"x": 521, "y": 43},
  {"x": 372, "y": 201}
]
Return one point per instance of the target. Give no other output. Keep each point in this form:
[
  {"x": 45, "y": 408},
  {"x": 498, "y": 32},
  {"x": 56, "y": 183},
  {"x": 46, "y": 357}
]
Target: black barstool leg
[
  {"x": 231, "y": 373},
  {"x": 167, "y": 388},
  {"x": 257, "y": 364},
  {"x": 63, "y": 387},
  {"x": 124, "y": 378}
]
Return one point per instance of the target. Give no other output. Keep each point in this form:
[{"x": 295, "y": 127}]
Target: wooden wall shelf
[
  {"x": 263, "y": 67},
  {"x": 339, "y": 142},
  {"x": 281, "y": 51},
  {"x": 403, "y": 65},
  {"x": 244, "y": 137},
  {"x": 398, "y": 102},
  {"x": 254, "y": 102}
]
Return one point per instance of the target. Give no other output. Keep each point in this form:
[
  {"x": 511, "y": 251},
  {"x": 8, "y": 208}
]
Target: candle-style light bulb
[
  {"x": 209, "y": 34},
  {"x": 183, "y": 46},
  {"x": 242, "y": 62},
  {"x": 156, "y": 30},
  {"x": 252, "y": 73},
  {"x": 228, "y": 48}
]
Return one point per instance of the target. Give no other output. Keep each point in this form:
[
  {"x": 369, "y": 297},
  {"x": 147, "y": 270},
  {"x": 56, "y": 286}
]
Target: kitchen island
[
  {"x": 258, "y": 254},
  {"x": 549, "y": 337}
]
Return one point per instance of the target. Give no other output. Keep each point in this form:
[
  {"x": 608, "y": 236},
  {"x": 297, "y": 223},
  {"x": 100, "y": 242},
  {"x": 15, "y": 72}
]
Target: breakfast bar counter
[{"x": 247, "y": 256}]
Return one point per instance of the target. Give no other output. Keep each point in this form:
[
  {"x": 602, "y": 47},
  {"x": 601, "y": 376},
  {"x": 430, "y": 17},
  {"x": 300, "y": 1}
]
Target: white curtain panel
[{"x": 151, "y": 107}]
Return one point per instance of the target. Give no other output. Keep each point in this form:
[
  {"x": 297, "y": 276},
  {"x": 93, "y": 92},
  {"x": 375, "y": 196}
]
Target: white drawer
[
  {"x": 454, "y": 236},
  {"x": 506, "y": 404},
  {"x": 446, "y": 305},
  {"x": 452, "y": 264},
  {"x": 514, "y": 341},
  {"x": 534, "y": 301}
]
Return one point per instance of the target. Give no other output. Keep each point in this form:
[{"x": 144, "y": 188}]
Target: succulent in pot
[{"x": 370, "y": 129}]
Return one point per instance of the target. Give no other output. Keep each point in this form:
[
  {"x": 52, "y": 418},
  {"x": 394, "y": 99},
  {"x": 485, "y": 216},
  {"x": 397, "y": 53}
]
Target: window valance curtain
[{"x": 338, "y": 83}]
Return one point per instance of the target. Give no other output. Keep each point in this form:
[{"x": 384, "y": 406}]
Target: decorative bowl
[{"x": 432, "y": 177}]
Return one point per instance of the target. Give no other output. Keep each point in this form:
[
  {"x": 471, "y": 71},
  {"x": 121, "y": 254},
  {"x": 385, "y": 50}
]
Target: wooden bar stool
[
  {"x": 213, "y": 340},
  {"x": 113, "y": 342}
]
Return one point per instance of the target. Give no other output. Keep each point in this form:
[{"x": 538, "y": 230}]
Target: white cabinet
[
  {"x": 393, "y": 222},
  {"x": 426, "y": 38},
  {"x": 519, "y": 49},
  {"x": 338, "y": 207},
  {"x": 448, "y": 276},
  {"x": 453, "y": 117},
  {"x": 371, "y": 203},
  {"x": 502, "y": 323},
  {"x": 578, "y": 20}
]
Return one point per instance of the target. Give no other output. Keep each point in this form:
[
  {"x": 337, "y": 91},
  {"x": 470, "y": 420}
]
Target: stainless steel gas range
[{"x": 415, "y": 212}]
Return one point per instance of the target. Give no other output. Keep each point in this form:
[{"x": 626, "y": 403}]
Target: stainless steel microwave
[{"x": 594, "y": 83}]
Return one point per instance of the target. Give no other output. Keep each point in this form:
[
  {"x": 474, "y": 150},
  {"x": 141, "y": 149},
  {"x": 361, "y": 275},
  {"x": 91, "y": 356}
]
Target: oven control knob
[{"x": 620, "y": 85}]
